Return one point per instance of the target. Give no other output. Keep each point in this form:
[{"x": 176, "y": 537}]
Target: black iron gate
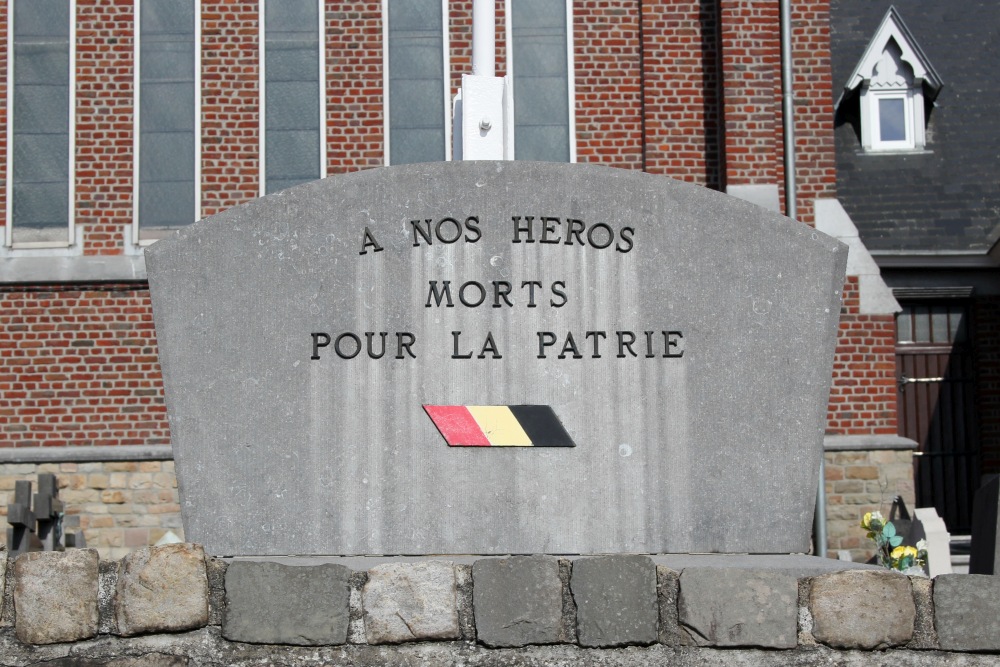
[{"x": 937, "y": 408}]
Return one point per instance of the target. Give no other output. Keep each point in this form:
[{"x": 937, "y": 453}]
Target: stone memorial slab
[{"x": 492, "y": 358}]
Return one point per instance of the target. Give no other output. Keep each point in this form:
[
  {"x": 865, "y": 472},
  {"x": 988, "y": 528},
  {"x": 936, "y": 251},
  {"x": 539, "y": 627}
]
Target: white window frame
[
  {"x": 570, "y": 69},
  {"x": 446, "y": 73},
  {"x": 913, "y": 122},
  {"x": 152, "y": 236},
  {"x": 71, "y": 128},
  {"x": 262, "y": 85}
]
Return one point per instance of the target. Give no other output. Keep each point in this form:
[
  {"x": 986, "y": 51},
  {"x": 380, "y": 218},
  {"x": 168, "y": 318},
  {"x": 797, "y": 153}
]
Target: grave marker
[{"x": 681, "y": 339}]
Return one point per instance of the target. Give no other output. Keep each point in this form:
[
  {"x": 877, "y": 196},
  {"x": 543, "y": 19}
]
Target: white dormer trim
[
  {"x": 892, "y": 27},
  {"x": 893, "y": 77}
]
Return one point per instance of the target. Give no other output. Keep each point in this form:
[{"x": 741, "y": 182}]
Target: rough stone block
[
  {"x": 615, "y": 600},
  {"x": 731, "y": 607},
  {"x": 667, "y": 590},
  {"x": 924, "y": 634},
  {"x": 162, "y": 589},
  {"x": 863, "y": 609},
  {"x": 967, "y": 612},
  {"x": 3, "y": 581},
  {"x": 410, "y": 601},
  {"x": 269, "y": 603},
  {"x": 517, "y": 601},
  {"x": 55, "y": 596}
]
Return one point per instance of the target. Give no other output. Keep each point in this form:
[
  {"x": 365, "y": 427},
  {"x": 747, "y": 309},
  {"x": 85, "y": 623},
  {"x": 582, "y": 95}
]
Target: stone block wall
[
  {"x": 860, "y": 481},
  {"x": 120, "y": 505},
  {"x": 123, "y": 505},
  {"x": 170, "y": 605}
]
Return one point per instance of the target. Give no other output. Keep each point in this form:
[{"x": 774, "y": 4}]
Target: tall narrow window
[
  {"x": 293, "y": 148},
  {"x": 417, "y": 115},
  {"x": 40, "y": 143},
  {"x": 539, "y": 62},
  {"x": 167, "y": 151}
]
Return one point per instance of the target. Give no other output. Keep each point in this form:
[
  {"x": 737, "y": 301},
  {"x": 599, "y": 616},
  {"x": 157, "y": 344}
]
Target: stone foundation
[
  {"x": 120, "y": 505},
  {"x": 125, "y": 504},
  {"x": 171, "y": 606},
  {"x": 864, "y": 475}
]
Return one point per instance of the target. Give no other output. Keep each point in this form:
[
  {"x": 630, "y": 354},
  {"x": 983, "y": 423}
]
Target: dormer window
[{"x": 893, "y": 81}]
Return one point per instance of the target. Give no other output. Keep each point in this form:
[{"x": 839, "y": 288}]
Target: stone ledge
[
  {"x": 855, "y": 443},
  {"x": 98, "y": 454},
  {"x": 600, "y": 602}
]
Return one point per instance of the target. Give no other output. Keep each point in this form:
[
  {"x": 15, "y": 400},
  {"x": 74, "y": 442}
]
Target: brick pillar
[
  {"x": 608, "y": 80},
  {"x": 230, "y": 164},
  {"x": 354, "y": 99},
  {"x": 681, "y": 90},
  {"x": 104, "y": 108},
  {"x": 751, "y": 76},
  {"x": 815, "y": 153}
]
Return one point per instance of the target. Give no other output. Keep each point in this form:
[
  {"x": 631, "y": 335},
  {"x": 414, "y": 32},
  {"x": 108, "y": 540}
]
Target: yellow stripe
[{"x": 499, "y": 425}]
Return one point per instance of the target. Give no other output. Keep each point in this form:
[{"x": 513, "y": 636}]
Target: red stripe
[{"x": 457, "y": 425}]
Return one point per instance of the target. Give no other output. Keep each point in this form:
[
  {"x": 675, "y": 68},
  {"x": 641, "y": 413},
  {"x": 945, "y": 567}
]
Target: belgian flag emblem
[{"x": 499, "y": 425}]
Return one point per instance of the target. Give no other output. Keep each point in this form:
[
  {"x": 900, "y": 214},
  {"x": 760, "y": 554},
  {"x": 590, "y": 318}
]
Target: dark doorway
[{"x": 934, "y": 361}]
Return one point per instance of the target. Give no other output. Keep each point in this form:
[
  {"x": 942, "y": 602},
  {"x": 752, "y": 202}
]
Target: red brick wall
[
  {"x": 230, "y": 136},
  {"x": 751, "y": 73},
  {"x": 608, "y": 83},
  {"x": 815, "y": 161},
  {"x": 354, "y": 104},
  {"x": 78, "y": 366},
  {"x": 863, "y": 395},
  {"x": 661, "y": 73},
  {"x": 104, "y": 82},
  {"x": 682, "y": 91}
]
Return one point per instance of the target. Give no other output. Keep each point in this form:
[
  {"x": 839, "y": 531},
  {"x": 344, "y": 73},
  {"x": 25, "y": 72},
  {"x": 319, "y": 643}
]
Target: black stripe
[{"x": 542, "y": 426}]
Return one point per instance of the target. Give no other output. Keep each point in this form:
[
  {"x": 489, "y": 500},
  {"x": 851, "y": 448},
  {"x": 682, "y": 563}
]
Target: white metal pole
[{"x": 484, "y": 37}]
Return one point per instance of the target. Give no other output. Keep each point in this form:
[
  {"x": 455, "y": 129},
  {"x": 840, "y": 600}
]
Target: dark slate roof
[{"x": 947, "y": 200}]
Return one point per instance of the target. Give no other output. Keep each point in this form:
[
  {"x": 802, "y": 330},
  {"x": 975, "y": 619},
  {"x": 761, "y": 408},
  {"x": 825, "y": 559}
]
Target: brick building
[
  {"x": 125, "y": 119},
  {"x": 917, "y": 149}
]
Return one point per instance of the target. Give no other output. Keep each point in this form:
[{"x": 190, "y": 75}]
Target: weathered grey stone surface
[
  {"x": 265, "y": 604},
  {"x": 411, "y": 602},
  {"x": 862, "y": 609},
  {"x": 796, "y": 565},
  {"x": 985, "y": 555},
  {"x": 336, "y": 455},
  {"x": 517, "y": 601},
  {"x": 215, "y": 569},
  {"x": 206, "y": 647},
  {"x": 967, "y": 612},
  {"x": 107, "y": 593},
  {"x": 55, "y": 596},
  {"x": 667, "y": 591},
  {"x": 616, "y": 601},
  {"x": 924, "y": 634},
  {"x": 162, "y": 589},
  {"x": 3, "y": 582},
  {"x": 729, "y": 607}
]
